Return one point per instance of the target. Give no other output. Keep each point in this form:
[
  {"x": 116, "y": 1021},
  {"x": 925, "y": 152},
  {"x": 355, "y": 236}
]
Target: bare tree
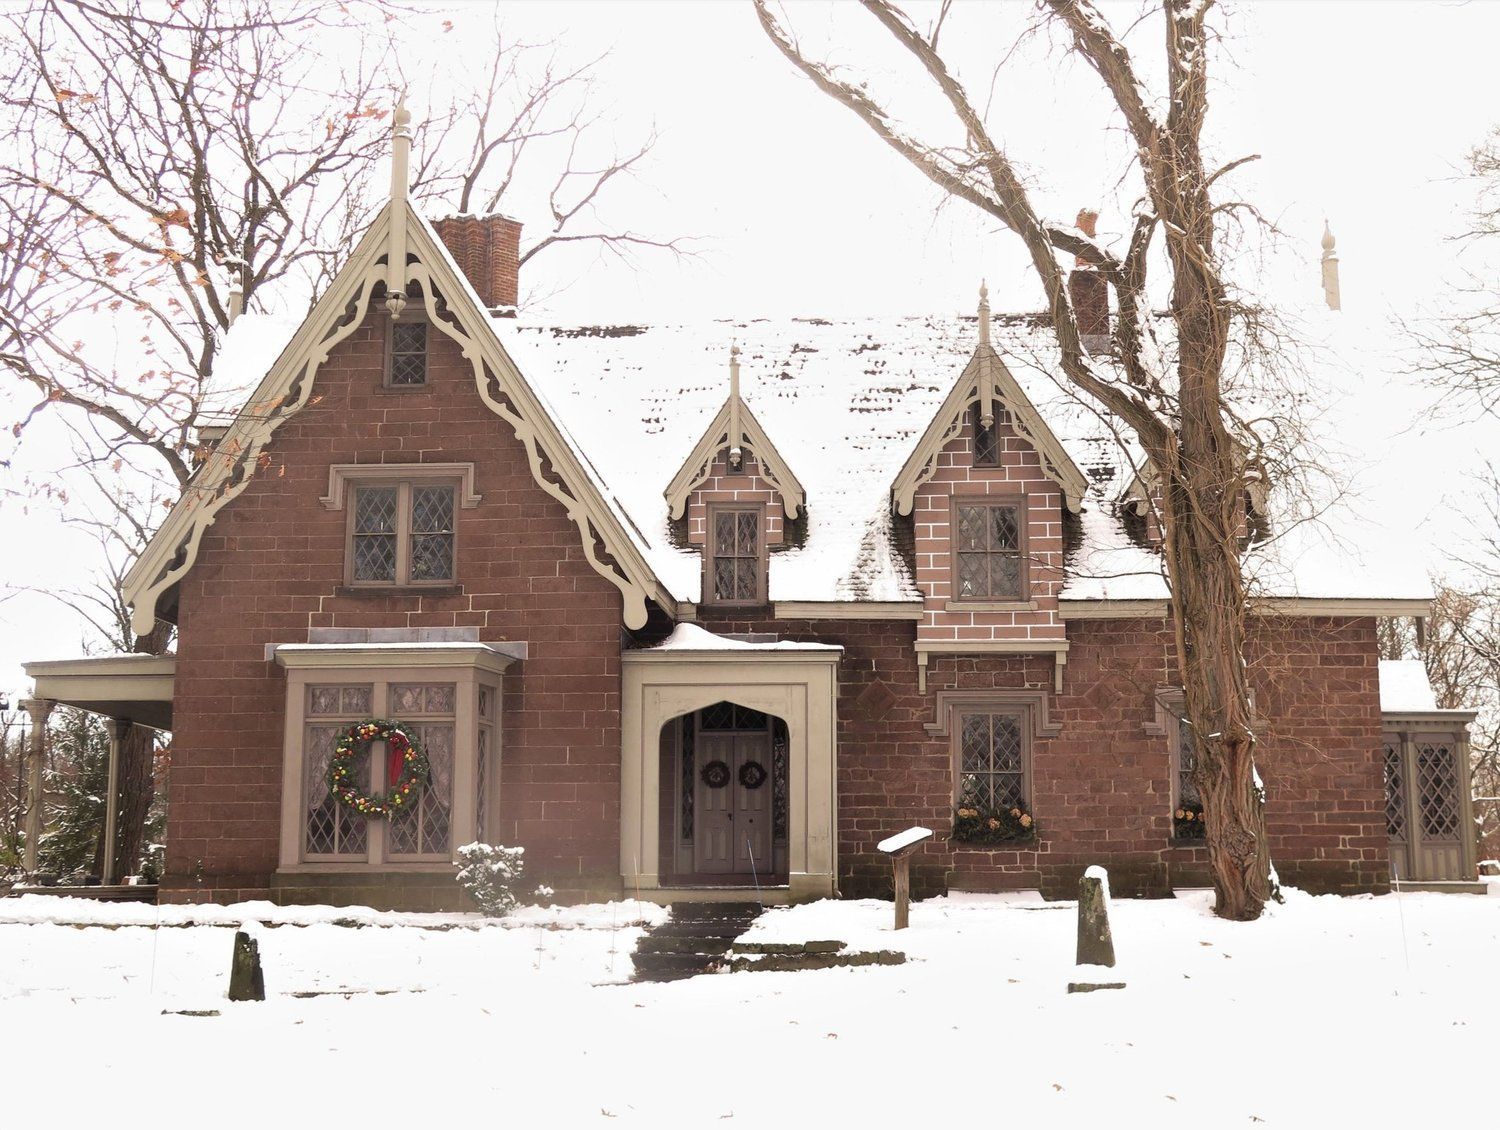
[
  {"x": 1173, "y": 402},
  {"x": 162, "y": 167}
]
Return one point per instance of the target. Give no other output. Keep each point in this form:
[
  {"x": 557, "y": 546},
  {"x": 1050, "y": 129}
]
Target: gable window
[
  {"x": 988, "y": 550},
  {"x": 992, "y": 758},
  {"x": 406, "y": 353},
  {"x": 986, "y": 439},
  {"x": 736, "y": 560},
  {"x": 401, "y": 533}
]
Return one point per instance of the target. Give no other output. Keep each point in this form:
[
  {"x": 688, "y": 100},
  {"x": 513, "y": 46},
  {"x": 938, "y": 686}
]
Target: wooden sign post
[{"x": 900, "y": 848}]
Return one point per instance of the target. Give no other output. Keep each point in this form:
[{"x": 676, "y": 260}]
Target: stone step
[
  {"x": 660, "y": 943},
  {"x": 727, "y": 930},
  {"x": 654, "y": 966}
]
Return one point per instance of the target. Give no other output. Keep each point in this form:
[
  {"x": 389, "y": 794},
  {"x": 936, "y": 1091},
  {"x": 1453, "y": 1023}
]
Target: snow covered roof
[
  {"x": 846, "y": 401},
  {"x": 1404, "y": 688},
  {"x": 690, "y": 637}
]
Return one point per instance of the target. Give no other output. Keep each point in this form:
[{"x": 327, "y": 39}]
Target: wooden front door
[
  {"x": 732, "y": 804},
  {"x": 1425, "y": 784}
]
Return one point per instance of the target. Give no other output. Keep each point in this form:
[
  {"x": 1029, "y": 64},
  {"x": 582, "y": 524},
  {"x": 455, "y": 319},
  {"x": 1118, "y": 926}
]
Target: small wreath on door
[
  {"x": 715, "y": 774},
  {"x": 752, "y": 774}
]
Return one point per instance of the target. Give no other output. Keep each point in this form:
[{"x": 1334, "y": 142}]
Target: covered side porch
[{"x": 128, "y": 691}]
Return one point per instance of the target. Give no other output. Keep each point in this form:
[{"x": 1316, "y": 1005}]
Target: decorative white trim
[
  {"x": 716, "y": 438},
  {"x": 986, "y": 372},
  {"x": 1036, "y": 700},
  {"x": 608, "y": 544},
  {"x": 494, "y": 658},
  {"x": 990, "y": 606},
  {"x": 848, "y": 610},
  {"x": 341, "y": 474},
  {"x": 1260, "y": 606},
  {"x": 1058, "y": 649}
]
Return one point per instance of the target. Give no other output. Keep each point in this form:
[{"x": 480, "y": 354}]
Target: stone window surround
[
  {"x": 763, "y": 565},
  {"x": 403, "y": 476},
  {"x": 1019, "y": 501},
  {"x": 798, "y": 685},
  {"x": 466, "y": 665},
  {"x": 1032, "y": 706}
]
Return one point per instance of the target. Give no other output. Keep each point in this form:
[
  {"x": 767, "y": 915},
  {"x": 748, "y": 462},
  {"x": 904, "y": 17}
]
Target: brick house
[{"x": 685, "y": 609}]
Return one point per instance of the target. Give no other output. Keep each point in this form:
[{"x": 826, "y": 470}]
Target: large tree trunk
[{"x": 137, "y": 780}]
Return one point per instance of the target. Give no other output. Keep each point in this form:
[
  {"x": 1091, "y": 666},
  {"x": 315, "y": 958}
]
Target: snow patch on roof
[
  {"x": 248, "y": 350},
  {"x": 1404, "y": 688},
  {"x": 690, "y": 637}
]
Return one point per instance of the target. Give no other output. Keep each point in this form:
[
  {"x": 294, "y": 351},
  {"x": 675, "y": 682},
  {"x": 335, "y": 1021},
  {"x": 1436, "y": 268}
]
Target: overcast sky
[{"x": 1361, "y": 112}]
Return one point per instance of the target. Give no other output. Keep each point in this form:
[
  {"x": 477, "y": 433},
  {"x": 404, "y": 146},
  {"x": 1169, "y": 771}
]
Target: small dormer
[{"x": 736, "y": 495}]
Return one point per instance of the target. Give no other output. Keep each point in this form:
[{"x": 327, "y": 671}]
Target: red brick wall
[
  {"x": 1020, "y": 472},
  {"x": 1101, "y": 790},
  {"x": 270, "y": 569}
]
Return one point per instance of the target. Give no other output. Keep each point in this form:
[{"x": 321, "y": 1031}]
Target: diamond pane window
[
  {"x": 987, "y": 545},
  {"x": 736, "y": 569},
  {"x": 403, "y": 534},
  {"x": 991, "y": 750},
  {"x": 1395, "y": 790},
  {"x": 1189, "y": 825},
  {"x": 408, "y": 353},
  {"x": 425, "y": 828},
  {"x": 330, "y": 828},
  {"x": 375, "y": 534},
  {"x": 1437, "y": 791}
]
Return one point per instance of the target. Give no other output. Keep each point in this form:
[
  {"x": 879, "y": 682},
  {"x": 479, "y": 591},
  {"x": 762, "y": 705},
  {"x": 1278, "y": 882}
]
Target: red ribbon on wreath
[{"x": 396, "y": 749}]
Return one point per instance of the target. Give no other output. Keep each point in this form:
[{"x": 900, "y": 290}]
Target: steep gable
[{"x": 613, "y": 549}]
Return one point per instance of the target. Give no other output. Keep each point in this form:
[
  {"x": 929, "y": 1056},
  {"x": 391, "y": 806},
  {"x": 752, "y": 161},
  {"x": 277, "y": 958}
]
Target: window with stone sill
[
  {"x": 402, "y": 533},
  {"x": 334, "y": 832},
  {"x": 735, "y": 557},
  {"x": 989, "y": 549}
]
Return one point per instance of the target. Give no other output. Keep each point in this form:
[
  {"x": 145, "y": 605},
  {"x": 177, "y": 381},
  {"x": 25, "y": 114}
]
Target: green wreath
[{"x": 406, "y": 767}]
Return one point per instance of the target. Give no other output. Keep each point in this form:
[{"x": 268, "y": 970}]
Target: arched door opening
[{"x": 724, "y": 818}]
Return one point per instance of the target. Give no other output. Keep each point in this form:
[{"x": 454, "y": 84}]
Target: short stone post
[
  {"x": 246, "y": 983},
  {"x": 1096, "y": 946},
  {"x": 900, "y": 848}
]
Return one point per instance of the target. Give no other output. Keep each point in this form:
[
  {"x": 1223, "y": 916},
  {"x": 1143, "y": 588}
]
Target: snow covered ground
[{"x": 1365, "y": 1012}]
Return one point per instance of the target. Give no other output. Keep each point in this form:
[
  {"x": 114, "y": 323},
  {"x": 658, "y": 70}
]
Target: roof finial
[
  {"x": 984, "y": 313},
  {"x": 1330, "y": 269},
  {"x": 736, "y": 452},
  {"x": 986, "y": 385},
  {"x": 400, "y": 176}
]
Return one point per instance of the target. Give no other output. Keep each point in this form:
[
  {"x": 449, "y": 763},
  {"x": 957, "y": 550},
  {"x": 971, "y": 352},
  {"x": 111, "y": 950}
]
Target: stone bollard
[
  {"x": 246, "y": 982},
  {"x": 1096, "y": 946}
]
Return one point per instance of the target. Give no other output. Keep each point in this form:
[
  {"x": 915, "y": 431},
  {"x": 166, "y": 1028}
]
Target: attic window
[
  {"x": 986, "y": 440},
  {"x": 406, "y": 353}
]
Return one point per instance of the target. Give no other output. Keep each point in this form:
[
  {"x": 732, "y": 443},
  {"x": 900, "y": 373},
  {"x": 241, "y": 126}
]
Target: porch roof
[{"x": 133, "y": 688}]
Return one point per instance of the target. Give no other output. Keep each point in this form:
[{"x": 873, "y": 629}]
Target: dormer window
[
  {"x": 986, "y": 439},
  {"x": 406, "y": 353},
  {"x": 735, "y": 561},
  {"x": 989, "y": 561}
]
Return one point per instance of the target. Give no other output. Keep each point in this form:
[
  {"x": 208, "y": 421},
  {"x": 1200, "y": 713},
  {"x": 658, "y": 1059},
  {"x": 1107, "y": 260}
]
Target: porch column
[
  {"x": 118, "y": 728},
  {"x": 39, "y": 709}
]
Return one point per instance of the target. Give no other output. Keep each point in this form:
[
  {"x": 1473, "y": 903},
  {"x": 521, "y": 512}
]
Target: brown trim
[
  {"x": 762, "y": 555},
  {"x": 1023, "y": 546},
  {"x": 401, "y": 581},
  {"x": 411, "y": 315}
]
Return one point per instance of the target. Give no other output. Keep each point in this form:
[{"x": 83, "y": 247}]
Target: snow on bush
[{"x": 490, "y": 873}]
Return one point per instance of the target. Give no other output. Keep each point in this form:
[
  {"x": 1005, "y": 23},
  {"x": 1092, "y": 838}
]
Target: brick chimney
[
  {"x": 488, "y": 251},
  {"x": 1090, "y": 294}
]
